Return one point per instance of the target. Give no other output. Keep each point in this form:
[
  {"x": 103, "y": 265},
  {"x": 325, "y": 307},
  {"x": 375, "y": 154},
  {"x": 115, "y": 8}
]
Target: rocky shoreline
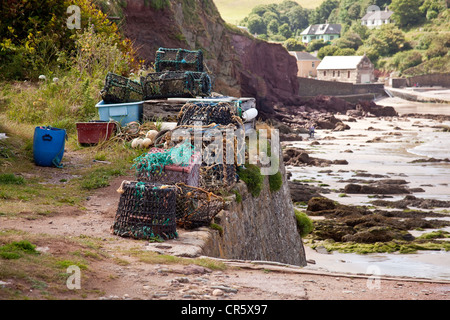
[{"x": 367, "y": 222}]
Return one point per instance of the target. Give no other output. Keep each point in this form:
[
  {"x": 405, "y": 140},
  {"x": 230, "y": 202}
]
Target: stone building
[
  {"x": 306, "y": 63},
  {"x": 354, "y": 69}
]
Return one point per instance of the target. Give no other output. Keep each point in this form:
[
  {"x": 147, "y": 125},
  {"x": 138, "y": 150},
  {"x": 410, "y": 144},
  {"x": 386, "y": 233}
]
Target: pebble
[
  {"x": 182, "y": 279},
  {"x": 225, "y": 289},
  {"x": 217, "y": 292},
  {"x": 347, "y": 291}
]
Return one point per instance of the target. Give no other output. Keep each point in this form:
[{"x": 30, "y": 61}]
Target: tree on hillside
[
  {"x": 292, "y": 44},
  {"x": 406, "y": 12},
  {"x": 255, "y": 24},
  {"x": 298, "y": 18},
  {"x": 431, "y": 8},
  {"x": 329, "y": 50},
  {"x": 322, "y": 13},
  {"x": 386, "y": 40},
  {"x": 349, "y": 40},
  {"x": 273, "y": 26},
  {"x": 285, "y": 31}
]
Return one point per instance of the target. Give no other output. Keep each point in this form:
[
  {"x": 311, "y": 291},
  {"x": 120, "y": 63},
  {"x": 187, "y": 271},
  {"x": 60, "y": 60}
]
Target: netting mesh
[
  {"x": 120, "y": 89},
  {"x": 146, "y": 211},
  {"x": 178, "y": 60},
  {"x": 170, "y": 84},
  {"x": 221, "y": 113},
  {"x": 157, "y": 166},
  {"x": 196, "y": 207}
]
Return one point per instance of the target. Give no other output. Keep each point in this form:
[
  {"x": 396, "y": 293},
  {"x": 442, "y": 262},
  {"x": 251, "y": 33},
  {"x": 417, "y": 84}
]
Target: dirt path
[{"x": 239, "y": 281}]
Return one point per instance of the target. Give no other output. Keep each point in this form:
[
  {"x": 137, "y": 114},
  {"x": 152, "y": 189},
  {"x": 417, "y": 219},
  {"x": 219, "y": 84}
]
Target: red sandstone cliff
[{"x": 241, "y": 64}]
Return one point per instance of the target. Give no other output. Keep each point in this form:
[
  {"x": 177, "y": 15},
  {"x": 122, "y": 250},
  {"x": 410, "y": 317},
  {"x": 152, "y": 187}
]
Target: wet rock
[
  {"x": 375, "y": 189},
  {"x": 320, "y": 203},
  {"x": 412, "y": 201},
  {"x": 302, "y": 192},
  {"x": 373, "y": 234}
]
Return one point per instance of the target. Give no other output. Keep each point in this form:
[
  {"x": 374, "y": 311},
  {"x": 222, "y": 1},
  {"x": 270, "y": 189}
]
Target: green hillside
[{"x": 233, "y": 11}]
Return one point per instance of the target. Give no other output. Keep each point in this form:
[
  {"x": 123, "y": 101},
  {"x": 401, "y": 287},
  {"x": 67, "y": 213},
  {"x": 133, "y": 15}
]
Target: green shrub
[
  {"x": 275, "y": 181},
  {"x": 252, "y": 177},
  {"x": 304, "y": 223}
]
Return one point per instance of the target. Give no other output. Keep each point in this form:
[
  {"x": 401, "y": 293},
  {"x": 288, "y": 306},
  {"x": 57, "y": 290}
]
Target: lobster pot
[
  {"x": 178, "y": 60},
  {"x": 196, "y": 207},
  {"x": 222, "y": 113},
  {"x": 146, "y": 211},
  {"x": 171, "y": 174},
  {"x": 175, "y": 84},
  {"x": 218, "y": 168},
  {"x": 120, "y": 89}
]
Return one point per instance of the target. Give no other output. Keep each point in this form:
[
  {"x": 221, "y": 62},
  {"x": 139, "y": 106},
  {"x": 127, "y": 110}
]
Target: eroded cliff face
[{"x": 241, "y": 64}]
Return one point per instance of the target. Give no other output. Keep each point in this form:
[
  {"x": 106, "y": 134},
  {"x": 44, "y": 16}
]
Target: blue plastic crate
[{"x": 120, "y": 112}]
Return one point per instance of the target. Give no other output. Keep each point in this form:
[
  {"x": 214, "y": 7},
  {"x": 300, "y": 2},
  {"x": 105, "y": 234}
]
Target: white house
[{"x": 376, "y": 18}]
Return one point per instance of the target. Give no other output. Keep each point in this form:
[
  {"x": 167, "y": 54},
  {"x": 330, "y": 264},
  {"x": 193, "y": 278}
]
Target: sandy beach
[{"x": 383, "y": 147}]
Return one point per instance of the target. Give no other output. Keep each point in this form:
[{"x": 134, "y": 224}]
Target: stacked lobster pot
[
  {"x": 178, "y": 73},
  {"x": 218, "y": 123}
]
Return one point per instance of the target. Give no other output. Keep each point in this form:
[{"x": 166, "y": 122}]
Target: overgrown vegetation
[
  {"x": 251, "y": 175},
  {"x": 304, "y": 223},
  {"x": 275, "y": 181},
  {"x": 71, "y": 64},
  {"x": 417, "y": 42}
]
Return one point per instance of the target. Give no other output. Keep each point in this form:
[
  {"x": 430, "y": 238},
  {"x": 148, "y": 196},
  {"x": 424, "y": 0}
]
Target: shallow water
[
  {"x": 424, "y": 264},
  {"x": 435, "y": 145},
  {"x": 391, "y": 158},
  {"x": 404, "y": 106}
]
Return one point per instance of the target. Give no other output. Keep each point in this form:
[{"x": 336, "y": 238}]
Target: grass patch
[
  {"x": 253, "y": 178},
  {"x": 304, "y": 223},
  {"x": 17, "y": 249},
  {"x": 100, "y": 178},
  {"x": 10, "y": 178}
]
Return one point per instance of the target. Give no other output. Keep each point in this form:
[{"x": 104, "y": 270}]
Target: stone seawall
[{"x": 258, "y": 228}]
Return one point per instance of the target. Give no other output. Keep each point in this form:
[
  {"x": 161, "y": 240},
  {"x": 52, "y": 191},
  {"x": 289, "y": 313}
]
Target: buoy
[
  {"x": 134, "y": 143},
  {"x": 151, "y": 134},
  {"x": 146, "y": 143},
  {"x": 249, "y": 114}
]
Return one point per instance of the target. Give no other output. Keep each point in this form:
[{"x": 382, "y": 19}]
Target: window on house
[
  {"x": 313, "y": 64},
  {"x": 339, "y": 73},
  {"x": 331, "y": 37},
  {"x": 324, "y": 73},
  {"x": 334, "y": 73},
  {"x": 348, "y": 74}
]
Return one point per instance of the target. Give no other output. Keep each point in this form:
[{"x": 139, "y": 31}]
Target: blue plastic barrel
[{"x": 48, "y": 146}]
